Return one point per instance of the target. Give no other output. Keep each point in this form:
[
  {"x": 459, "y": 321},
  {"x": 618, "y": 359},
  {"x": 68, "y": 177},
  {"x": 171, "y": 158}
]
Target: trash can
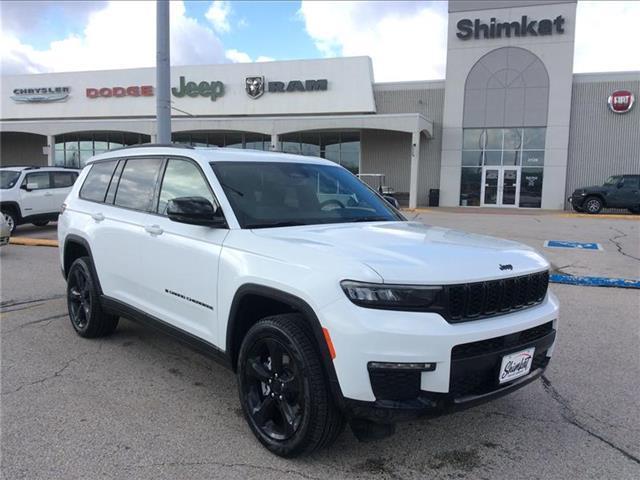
[{"x": 434, "y": 197}]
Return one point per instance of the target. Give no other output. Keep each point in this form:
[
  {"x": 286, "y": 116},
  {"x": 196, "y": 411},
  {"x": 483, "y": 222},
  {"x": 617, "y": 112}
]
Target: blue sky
[
  {"x": 405, "y": 39},
  {"x": 266, "y": 28}
]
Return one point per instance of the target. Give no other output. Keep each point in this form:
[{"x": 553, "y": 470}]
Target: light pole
[{"x": 163, "y": 73}]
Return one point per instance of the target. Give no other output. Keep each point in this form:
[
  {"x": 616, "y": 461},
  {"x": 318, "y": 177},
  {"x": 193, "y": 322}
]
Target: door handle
[
  {"x": 98, "y": 217},
  {"x": 154, "y": 229},
  {"x": 48, "y": 194}
]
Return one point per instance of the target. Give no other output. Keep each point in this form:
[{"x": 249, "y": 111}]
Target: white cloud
[
  {"x": 237, "y": 57},
  {"x": 121, "y": 35},
  {"x": 406, "y": 40},
  {"x": 607, "y": 36},
  {"x": 218, "y": 14}
]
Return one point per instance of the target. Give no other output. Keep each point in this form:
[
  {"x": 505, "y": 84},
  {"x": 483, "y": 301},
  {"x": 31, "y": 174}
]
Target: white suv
[
  {"x": 34, "y": 194},
  {"x": 327, "y": 314}
]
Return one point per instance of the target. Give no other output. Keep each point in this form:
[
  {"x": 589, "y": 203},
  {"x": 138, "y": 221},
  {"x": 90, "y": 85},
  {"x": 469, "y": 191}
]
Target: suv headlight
[{"x": 392, "y": 297}]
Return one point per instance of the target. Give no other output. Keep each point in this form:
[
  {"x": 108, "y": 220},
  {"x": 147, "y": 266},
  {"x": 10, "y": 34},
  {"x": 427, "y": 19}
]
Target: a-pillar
[{"x": 415, "y": 164}]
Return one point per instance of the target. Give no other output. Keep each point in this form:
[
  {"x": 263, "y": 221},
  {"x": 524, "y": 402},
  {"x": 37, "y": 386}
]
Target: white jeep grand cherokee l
[{"x": 327, "y": 312}]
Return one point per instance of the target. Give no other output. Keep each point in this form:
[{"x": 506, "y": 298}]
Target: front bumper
[
  {"x": 363, "y": 335},
  {"x": 473, "y": 380},
  {"x": 576, "y": 200}
]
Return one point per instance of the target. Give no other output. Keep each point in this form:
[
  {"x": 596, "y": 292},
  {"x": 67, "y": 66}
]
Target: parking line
[{"x": 594, "y": 281}]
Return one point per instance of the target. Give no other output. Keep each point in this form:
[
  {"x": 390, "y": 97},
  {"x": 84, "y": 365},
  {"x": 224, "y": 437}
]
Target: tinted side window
[
  {"x": 182, "y": 179},
  {"x": 63, "y": 179},
  {"x": 95, "y": 185},
  {"x": 630, "y": 181},
  {"x": 137, "y": 183},
  {"x": 37, "y": 181}
]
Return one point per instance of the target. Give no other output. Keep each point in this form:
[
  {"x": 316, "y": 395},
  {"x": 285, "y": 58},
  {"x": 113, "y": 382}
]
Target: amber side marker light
[{"x": 327, "y": 338}]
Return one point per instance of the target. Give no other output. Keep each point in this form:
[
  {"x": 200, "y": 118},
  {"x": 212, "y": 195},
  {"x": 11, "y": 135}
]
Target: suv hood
[{"x": 411, "y": 252}]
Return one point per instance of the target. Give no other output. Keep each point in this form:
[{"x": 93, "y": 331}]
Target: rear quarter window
[{"x": 97, "y": 182}]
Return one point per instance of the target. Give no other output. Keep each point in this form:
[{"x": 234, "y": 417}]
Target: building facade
[{"x": 511, "y": 126}]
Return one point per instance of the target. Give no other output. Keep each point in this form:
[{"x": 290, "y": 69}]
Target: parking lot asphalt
[{"x": 139, "y": 405}]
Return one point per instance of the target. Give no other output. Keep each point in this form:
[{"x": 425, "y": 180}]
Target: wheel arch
[
  {"x": 253, "y": 302},
  {"x": 599, "y": 196},
  {"x": 12, "y": 205},
  {"x": 75, "y": 247}
]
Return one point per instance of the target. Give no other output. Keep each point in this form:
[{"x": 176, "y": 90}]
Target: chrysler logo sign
[
  {"x": 621, "y": 101},
  {"x": 40, "y": 95}
]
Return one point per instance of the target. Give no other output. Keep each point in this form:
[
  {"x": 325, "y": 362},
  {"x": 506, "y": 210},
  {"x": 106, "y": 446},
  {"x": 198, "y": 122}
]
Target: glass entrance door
[
  {"x": 490, "y": 181},
  {"x": 500, "y": 186}
]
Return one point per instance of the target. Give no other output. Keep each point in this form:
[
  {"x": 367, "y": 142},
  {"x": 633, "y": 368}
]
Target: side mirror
[
  {"x": 195, "y": 211},
  {"x": 392, "y": 201},
  {"x": 620, "y": 185},
  {"x": 29, "y": 186}
]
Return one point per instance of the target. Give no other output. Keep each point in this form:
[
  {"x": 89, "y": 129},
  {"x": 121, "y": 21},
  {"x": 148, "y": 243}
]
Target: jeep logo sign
[
  {"x": 212, "y": 90},
  {"x": 621, "y": 101}
]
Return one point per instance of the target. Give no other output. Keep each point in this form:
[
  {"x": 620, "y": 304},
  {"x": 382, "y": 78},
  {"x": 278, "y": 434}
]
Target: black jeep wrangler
[{"x": 619, "y": 191}]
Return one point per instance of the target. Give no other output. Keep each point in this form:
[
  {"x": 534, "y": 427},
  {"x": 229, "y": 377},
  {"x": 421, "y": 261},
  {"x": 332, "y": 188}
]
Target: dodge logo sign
[
  {"x": 621, "y": 101},
  {"x": 254, "y": 86}
]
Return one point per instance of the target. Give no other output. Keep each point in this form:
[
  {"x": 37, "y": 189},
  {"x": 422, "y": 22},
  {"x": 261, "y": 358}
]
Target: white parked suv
[
  {"x": 327, "y": 315},
  {"x": 34, "y": 194}
]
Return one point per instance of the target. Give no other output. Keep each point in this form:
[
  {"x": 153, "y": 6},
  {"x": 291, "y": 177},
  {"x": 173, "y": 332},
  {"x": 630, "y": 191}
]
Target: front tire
[
  {"x": 593, "y": 205},
  {"x": 83, "y": 301},
  {"x": 11, "y": 219},
  {"x": 284, "y": 393}
]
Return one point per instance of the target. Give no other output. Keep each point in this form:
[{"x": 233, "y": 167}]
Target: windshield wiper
[
  {"x": 275, "y": 225},
  {"x": 368, "y": 219}
]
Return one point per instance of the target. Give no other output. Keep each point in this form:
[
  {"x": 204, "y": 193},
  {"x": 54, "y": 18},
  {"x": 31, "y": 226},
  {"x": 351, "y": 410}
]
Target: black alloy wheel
[
  {"x": 274, "y": 389},
  {"x": 83, "y": 301},
  {"x": 284, "y": 392},
  {"x": 79, "y": 298}
]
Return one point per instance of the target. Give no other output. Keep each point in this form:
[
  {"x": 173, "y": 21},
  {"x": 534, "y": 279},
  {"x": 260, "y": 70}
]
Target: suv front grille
[
  {"x": 496, "y": 344},
  {"x": 472, "y": 301}
]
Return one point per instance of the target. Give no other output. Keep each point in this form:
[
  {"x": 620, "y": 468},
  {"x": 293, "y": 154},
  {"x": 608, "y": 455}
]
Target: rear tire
[
  {"x": 593, "y": 205},
  {"x": 83, "y": 301},
  {"x": 284, "y": 393},
  {"x": 42, "y": 223}
]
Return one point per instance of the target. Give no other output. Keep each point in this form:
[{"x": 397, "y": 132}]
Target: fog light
[{"x": 425, "y": 367}]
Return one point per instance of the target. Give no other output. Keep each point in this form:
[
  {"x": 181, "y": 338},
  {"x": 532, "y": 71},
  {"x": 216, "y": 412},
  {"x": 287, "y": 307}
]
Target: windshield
[
  {"x": 612, "y": 180},
  {"x": 285, "y": 194},
  {"x": 8, "y": 178}
]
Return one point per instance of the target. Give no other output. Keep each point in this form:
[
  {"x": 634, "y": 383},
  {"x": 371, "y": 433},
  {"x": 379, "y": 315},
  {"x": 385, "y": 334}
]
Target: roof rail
[{"x": 151, "y": 145}]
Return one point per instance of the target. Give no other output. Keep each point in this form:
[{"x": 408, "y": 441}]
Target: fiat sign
[{"x": 621, "y": 101}]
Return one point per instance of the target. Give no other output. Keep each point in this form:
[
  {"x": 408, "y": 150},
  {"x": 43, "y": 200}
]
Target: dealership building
[{"x": 510, "y": 126}]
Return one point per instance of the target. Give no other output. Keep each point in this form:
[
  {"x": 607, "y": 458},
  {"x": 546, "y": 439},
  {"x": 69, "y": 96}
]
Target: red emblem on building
[{"x": 621, "y": 101}]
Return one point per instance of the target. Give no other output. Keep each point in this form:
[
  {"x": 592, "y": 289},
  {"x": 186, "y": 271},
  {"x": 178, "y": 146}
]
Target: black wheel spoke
[
  {"x": 265, "y": 411},
  {"x": 275, "y": 353},
  {"x": 288, "y": 417},
  {"x": 257, "y": 370}
]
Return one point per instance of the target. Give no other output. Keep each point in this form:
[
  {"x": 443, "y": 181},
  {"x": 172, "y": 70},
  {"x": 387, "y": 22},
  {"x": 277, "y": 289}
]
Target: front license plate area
[{"x": 516, "y": 365}]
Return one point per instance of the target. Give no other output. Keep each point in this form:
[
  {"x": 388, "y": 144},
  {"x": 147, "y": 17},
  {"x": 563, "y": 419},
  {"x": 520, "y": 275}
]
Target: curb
[
  {"x": 615, "y": 216},
  {"x": 33, "y": 242},
  {"x": 594, "y": 281}
]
